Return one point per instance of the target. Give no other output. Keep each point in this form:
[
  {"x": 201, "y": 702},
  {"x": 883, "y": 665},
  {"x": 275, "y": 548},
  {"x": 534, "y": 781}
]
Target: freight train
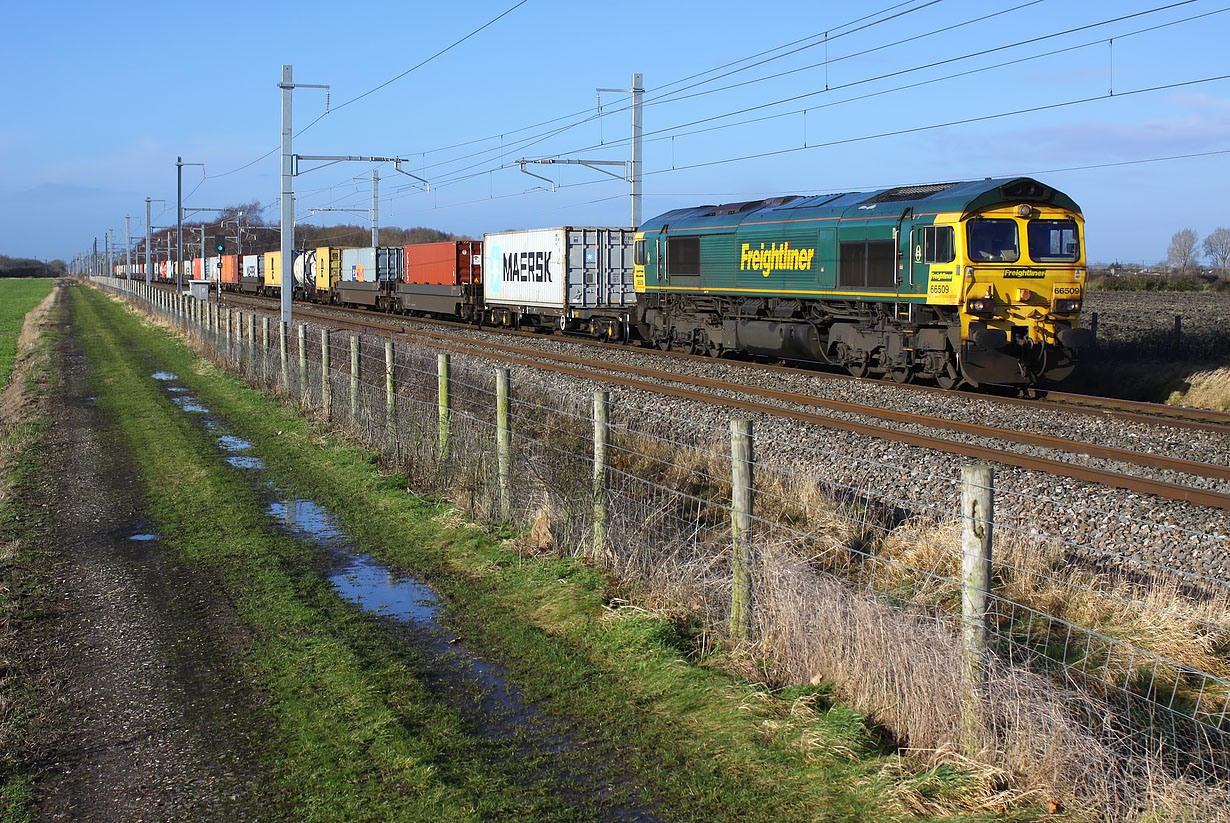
[{"x": 967, "y": 283}]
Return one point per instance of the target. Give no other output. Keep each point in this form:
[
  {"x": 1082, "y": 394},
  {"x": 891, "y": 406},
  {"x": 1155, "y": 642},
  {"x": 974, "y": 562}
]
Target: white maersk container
[
  {"x": 573, "y": 272},
  {"x": 213, "y": 269}
]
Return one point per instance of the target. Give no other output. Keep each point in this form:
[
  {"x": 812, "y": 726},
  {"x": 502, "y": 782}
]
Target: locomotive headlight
[
  {"x": 980, "y": 305},
  {"x": 1066, "y": 306}
]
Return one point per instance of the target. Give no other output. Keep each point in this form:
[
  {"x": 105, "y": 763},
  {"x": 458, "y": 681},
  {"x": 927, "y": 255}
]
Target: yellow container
[
  {"x": 273, "y": 269},
  {"x": 328, "y": 267}
]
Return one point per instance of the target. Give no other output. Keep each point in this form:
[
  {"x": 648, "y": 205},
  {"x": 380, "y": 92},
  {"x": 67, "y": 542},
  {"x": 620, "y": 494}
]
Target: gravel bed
[
  {"x": 1097, "y": 521},
  {"x": 1160, "y": 438}
]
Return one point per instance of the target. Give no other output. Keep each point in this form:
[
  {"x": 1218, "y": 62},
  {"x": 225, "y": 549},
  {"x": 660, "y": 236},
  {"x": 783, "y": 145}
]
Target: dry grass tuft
[{"x": 1205, "y": 390}]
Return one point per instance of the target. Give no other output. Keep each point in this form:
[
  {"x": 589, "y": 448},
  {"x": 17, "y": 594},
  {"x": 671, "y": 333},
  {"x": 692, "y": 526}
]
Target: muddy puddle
[{"x": 479, "y": 688}]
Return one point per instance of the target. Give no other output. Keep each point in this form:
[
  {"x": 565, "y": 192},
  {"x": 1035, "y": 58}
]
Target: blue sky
[{"x": 102, "y": 98}]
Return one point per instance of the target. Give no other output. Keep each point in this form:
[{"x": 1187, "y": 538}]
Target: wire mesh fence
[{"x": 1103, "y": 680}]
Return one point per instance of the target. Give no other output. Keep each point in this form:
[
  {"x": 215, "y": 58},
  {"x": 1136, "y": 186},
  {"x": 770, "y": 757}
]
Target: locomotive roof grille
[
  {"x": 909, "y": 193},
  {"x": 750, "y": 205}
]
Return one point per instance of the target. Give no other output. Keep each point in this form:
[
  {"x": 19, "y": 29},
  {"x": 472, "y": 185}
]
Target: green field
[{"x": 17, "y": 298}]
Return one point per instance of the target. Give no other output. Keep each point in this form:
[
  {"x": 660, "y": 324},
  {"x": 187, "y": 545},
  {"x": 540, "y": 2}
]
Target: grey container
[
  {"x": 577, "y": 270},
  {"x": 390, "y": 263}
]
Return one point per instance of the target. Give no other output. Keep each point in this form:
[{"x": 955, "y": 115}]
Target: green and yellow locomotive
[{"x": 960, "y": 283}]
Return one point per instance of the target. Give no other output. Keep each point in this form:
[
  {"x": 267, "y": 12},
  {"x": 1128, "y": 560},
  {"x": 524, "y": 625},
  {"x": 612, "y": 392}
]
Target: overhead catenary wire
[
  {"x": 386, "y": 83},
  {"x": 663, "y": 133}
]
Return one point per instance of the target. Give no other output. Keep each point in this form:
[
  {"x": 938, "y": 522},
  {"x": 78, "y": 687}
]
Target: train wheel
[
  {"x": 859, "y": 366},
  {"x": 901, "y": 374},
  {"x": 949, "y": 378}
]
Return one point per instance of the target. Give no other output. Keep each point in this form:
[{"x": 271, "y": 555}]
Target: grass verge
[
  {"x": 25, "y": 340},
  {"x": 368, "y": 737}
]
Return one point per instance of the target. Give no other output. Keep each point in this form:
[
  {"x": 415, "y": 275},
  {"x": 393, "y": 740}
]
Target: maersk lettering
[
  {"x": 528, "y": 267},
  {"x": 775, "y": 258}
]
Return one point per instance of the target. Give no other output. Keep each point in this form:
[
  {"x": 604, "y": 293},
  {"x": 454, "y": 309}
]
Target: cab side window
[{"x": 938, "y": 244}]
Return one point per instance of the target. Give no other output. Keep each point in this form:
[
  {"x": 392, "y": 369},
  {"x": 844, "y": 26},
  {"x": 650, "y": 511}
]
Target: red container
[
  {"x": 452, "y": 263},
  {"x": 230, "y": 268},
  {"x": 196, "y": 268}
]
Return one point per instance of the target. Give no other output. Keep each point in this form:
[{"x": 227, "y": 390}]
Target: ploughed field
[{"x": 1141, "y": 324}]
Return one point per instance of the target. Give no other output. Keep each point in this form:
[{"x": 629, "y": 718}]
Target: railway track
[
  {"x": 1062, "y": 402},
  {"x": 840, "y": 415}
]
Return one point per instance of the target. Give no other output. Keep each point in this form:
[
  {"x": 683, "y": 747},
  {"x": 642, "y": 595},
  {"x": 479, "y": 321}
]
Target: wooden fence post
[
  {"x": 265, "y": 347},
  {"x": 326, "y": 384},
  {"x": 252, "y": 344},
  {"x": 1093, "y": 325},
  {"x": 443, "y": 394},
  {"x": 602, "y": 435},
  {"x": 503, "y": 442},
  {"x": 1178, "y": 331},
  {"x": 303, "y": 364},
  {"x": 741, "y": 529},
  {"x": 390, "y": 396},
  {"x": 977, "y": 516},
  {"x": 354, "y": 380}
]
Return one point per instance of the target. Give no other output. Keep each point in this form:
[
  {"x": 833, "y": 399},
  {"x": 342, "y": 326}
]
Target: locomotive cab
[{"x": 1022, "y": 269}]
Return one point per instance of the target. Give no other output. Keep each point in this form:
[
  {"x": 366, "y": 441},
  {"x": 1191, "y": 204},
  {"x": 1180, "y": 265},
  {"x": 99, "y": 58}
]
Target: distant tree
[
  {"x": 1217, "y": 248},
  {"x": 1182, "y": 254},
  {"x": 253, "y": 213}
]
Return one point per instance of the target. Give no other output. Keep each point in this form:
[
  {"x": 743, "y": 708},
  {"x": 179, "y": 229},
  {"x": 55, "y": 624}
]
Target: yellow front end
[{"x": 1019, "y": 285}]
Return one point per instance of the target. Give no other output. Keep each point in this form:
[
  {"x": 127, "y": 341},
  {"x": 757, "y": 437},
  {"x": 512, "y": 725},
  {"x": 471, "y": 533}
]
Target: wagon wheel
[
  {"x": 858, "y": 366},
  {"x": 902, "y": 374},
  {"x": 950, "y": 377}
]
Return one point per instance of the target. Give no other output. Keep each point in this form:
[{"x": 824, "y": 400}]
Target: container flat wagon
[
  {"x": 442, "y": 278},
  {"x": 578, "y": 279}
]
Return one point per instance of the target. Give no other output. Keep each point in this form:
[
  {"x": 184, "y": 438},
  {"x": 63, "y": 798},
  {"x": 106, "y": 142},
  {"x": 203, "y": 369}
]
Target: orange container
[
  {"x": 230, "y": 268},
  {"x": 452, "y": 263}
]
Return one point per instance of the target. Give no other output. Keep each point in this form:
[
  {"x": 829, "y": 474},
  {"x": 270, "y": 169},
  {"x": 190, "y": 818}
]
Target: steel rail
[
  {"x": 579, "y": 367},
  {"x": 1136, "y": 411}
]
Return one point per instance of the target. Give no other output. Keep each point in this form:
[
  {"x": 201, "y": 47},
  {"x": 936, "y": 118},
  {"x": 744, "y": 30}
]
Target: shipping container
[
  {"x": 213, "y": 269},
  {"x": 230, "y": 269},
  {"x": 359, "y": 265},
  {"x": 197, "y": 269},
  {"x": 442, "y": 278},
  {"x": 252, "y": 278},
  {"x": 328, "y": 269},
  {"x": 389, "y": 265},
  {"x": 273, "y": 270},
  {"x": 305, "y": 268},
  {"x": 452, "y": 263},
  {"x": 565, "y": 272},
  {"x": 358, "y": 286}
]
